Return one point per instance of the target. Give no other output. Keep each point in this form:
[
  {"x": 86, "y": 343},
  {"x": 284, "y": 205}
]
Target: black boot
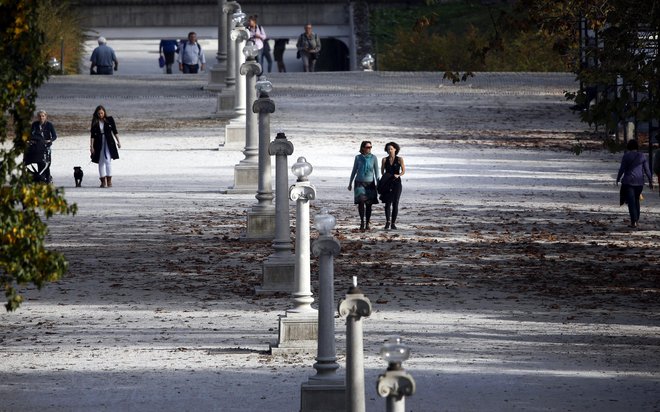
[
  {"x": 366, "y": 227},
  {"x": 361, "y": 211},
  {"x": 395, "y": 212},
  {"x": 387, "y": 216}
]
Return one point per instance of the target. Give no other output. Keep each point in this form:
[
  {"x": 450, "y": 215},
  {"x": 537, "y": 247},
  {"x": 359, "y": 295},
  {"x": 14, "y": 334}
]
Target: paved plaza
[{"x": 513, "y": 277}]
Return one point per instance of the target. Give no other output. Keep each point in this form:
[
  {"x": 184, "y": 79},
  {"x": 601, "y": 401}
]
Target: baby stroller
[{"x": 37, "y": 159}]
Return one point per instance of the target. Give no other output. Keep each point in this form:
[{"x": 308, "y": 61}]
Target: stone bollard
[
  {"x": 231, "y": 8},
  {"x": 298, "y": 328},
  {"x": 278, "y": 268},
  {"x": 261, "y": 217},
  {"x": 395, "y": 384},
  {"x": 246, "y": 172},
  {"x": 325, "y": 391},
  {"x": 219, "y": 70},
  {"x": 235, "y": 130},
  {"x": 302, "y": 192},
  {"x": 354, "y": 308},
  {"x": 226, "y": 98}
]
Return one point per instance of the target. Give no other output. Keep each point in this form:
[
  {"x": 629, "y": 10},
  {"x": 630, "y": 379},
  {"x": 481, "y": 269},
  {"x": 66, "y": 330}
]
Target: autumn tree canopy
[
  {"x": 612, "y": 46},
  {"x": 24, "y": 204}
]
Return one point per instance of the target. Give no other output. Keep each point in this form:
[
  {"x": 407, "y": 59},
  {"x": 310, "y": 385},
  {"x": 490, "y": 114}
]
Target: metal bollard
[
  {"x": 354, "y": 307},
  {"x": 395, "y": 384}
]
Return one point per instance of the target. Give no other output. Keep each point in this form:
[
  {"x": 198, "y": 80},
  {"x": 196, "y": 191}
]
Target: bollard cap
[
  {"x": 250, "y": 51},
  {"x": 301, "y": 169},
  {"x": 324, "y": 222},
  {"x": 394, "y": 353},
  {"x": 239, "y": 18},
  {"x": 264, "y": 86}
]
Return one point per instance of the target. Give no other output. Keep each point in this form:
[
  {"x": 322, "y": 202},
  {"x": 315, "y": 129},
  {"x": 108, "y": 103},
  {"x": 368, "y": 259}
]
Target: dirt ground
[{"x": 513, "y": 276}]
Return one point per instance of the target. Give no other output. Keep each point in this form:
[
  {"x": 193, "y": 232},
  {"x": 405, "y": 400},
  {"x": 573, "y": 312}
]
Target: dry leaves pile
[{"x": 568, "y": 259}]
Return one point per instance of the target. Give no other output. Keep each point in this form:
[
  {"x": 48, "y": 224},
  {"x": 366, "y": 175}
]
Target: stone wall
[
  {"x": 202, "y": 13},
  {"x": 196, "y": 13}
]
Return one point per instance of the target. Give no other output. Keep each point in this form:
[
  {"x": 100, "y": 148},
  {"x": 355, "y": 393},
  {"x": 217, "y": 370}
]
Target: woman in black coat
[
  {"x": 392, "y": 168},
  {"x": 104, "y": 144}
]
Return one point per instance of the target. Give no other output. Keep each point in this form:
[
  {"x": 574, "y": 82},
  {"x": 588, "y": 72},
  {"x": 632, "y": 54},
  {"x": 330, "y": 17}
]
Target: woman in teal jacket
[{"x": 365, "y": 175}]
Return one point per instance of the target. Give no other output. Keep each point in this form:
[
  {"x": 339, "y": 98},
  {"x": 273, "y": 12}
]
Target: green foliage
[
  {"x": 62, "y": 28},
  {"x": 432, "y": 52},
  {"x": 621, "y": 52},
  {"x": 458, "y": 36},
  {"x": 527, "y": 51},
  {"x": 535, "y": 35},
  {"x": 23, "y": 256}
]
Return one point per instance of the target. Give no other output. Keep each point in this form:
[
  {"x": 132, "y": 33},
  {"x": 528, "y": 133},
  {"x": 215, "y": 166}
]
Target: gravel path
[{"x": 514, "y": 277}]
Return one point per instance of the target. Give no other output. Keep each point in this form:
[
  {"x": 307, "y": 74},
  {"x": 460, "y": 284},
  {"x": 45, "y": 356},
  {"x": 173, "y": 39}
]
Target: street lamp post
[
  {"x": 235, "y": 130},
  {"x": 355, "y": 307},
  {"x": 298, "y": 328},
  {"x": 239, "y": 35},
  {"x": 325, "y": 391},
  {"x": 326, "y": 247},
  {"x": 302, "y": 192},
  {"x": 246, "y": 172},
  {"x": 395, "y": 384},
  {"x": 219, "y": 70},
  {"x": 234, "y": 20},
  {"x": 261, "y": 218},
  {"x": 226, "y": 97},
  {"x": 278, "y": 268}
]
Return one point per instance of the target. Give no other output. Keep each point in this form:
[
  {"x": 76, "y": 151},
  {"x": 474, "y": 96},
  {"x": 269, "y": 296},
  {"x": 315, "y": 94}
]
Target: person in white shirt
[
  {"x": 258, "y": 36},
  {"x": 191, "y": 55}
]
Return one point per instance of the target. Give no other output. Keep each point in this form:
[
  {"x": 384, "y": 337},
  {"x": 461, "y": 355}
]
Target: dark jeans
[
  {"x": 632, "y": 198},
  {"x": 190, "y": 68},
  {"x": 169, "y": 60},
  {"x": 265, "y": 55},
  {"x": 104, "y": 70}
]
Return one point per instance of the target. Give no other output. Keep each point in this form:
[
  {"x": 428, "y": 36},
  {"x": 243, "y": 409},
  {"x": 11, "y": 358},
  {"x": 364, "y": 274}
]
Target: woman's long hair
[
  {"x": 95, "y": 116},
  {"x": 364, "y": 143}
]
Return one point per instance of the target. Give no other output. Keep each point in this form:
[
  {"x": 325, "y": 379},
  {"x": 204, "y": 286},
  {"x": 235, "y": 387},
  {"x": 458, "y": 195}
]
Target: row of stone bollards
[
  {"x": 326, "y": 391},
  {"x": 302, "y": 327}
]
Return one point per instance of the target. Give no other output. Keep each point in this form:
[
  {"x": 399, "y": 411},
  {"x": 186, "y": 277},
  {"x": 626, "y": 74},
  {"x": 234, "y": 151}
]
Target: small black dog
[{"x": 78, "y": 175}]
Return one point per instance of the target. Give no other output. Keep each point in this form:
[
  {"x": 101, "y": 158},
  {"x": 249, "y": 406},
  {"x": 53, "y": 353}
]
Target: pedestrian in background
[
  {"x": 392, "y": 168},
  {"x": 46, "y": 131},
  {"x": 634, "y": 166},
  {"x": 258, "y": 36},
  {"x": 167, "y": 49},
  {"x": 104, "y": 144},
  {"x": 103, "y": 59},
  {"x": 278, "y": 53},
  {"x": 365, "y": 177},
  {"x": 191, "y": 56},
  {"x": 309, "y": 47}
]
